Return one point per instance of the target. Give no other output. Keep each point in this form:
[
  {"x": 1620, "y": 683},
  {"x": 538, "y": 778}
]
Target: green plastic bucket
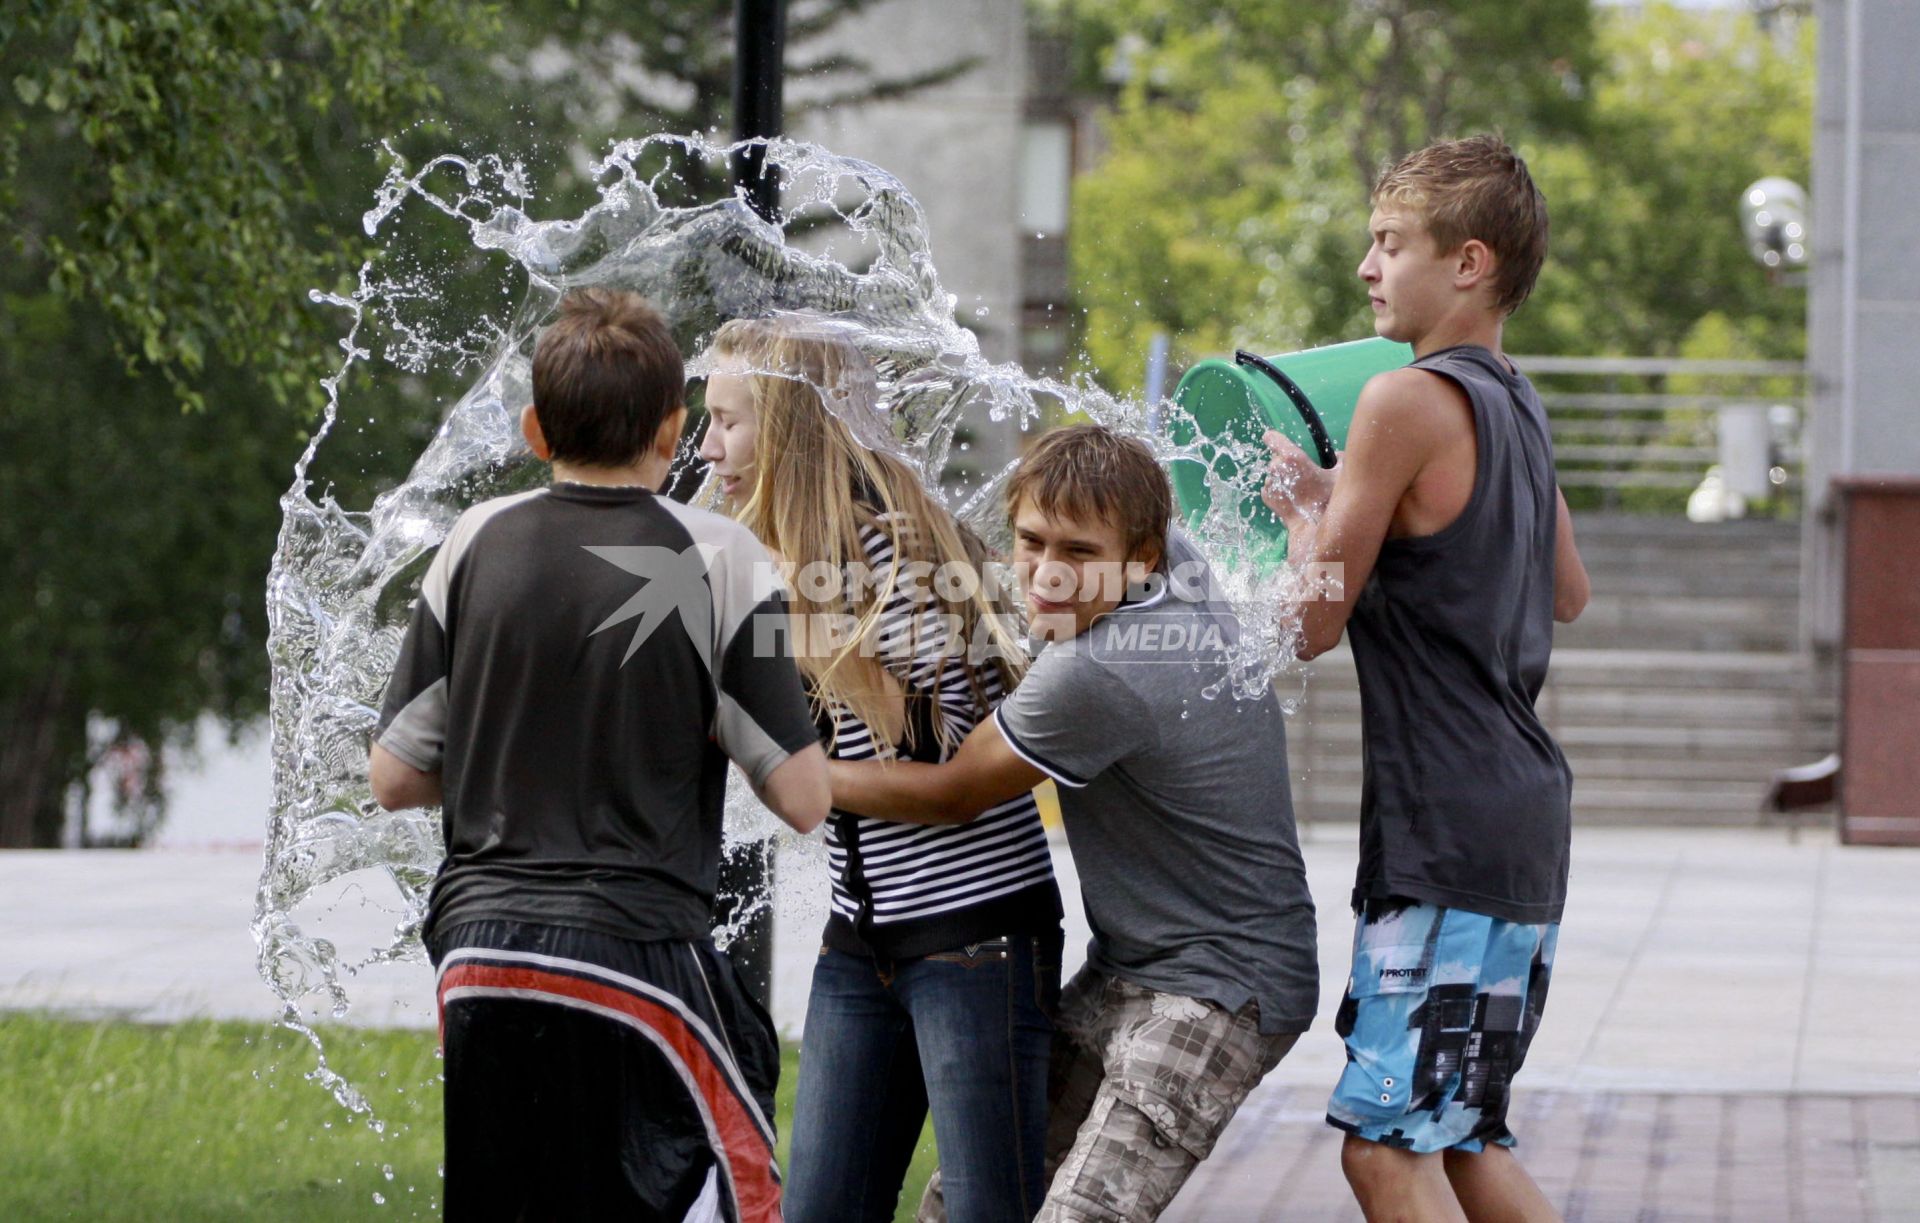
[{"x": 1308, "y": 396}]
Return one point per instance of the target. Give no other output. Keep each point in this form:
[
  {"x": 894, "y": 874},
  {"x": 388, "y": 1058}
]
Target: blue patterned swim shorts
[{"x": 1437, "y": 1017}]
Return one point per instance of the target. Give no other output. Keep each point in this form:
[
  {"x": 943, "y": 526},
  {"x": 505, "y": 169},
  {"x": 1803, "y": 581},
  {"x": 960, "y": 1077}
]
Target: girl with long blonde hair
[{"x": 939, "y": 965}]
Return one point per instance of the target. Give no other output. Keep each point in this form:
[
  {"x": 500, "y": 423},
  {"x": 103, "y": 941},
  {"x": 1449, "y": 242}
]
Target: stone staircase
[{"x": 1675, "y": 695}]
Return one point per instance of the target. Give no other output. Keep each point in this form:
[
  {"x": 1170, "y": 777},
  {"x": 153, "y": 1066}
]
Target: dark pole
[
  {"x": 760, "y": 37},
  {"x": 760, "y": 40}
]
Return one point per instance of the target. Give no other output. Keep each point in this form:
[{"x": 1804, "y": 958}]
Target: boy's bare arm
[
  {"x": 1571, "y": 589},
  {"x": 796, "y": 790},
  {"x": 397, "y": 785},
  {"x": 1399, "y": 424},
  {"x": 984, "y": 773}
]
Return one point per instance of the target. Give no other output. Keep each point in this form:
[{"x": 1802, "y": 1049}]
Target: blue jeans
[{"x": 964, "y": 1033}]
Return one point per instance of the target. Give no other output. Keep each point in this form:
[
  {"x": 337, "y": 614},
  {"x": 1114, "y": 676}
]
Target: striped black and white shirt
[{"x": 904, "y": 890}]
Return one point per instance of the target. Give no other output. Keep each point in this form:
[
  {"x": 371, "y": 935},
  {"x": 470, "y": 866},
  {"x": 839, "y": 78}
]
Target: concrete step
[
  {"x": 1746, "y": 532},
  {"x": 1654, "y": 707},
  {"x": 1741, "y": 583},
  {"x": 1634, "y": 537},
  {"x": 1605, "y": 547},
  {"x": 1627, "y": 556},
  {"x": 1561, "y": 705},
  {"x": 1694, "y": 575},
  {"x": 1591, "y": 805},
  {"x": 1744, "y": 671},
  {"x": 1783, "y": 744},
  {"x": 1600, "y": 632},
  {"x": 1676, "y": 695},
  {"x": 1589, "y": 768},
  {"x": 1710, "y": 610},
  {"x": 1772, "y": 670}
]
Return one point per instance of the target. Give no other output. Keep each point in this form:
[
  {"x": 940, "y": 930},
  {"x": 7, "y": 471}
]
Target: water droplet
[{"x": 333, "y": 645}]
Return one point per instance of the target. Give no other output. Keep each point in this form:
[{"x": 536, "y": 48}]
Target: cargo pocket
[
  {"x": 1223, "y": 1058},
  {"x": 1128, "y": 1169},
  {"x": 1377, "y": 1022}
]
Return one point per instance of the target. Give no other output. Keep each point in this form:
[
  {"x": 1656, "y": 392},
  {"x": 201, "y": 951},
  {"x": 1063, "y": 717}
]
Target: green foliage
[
  {"x": 1222, "y": 252},
  {"x": 1691, "y": 108},
  {"x": 181, "y": 198},
  {"x": 1229, "y": 207},
  {"x": 127, "y": 528},
  {"x": 174, "y": 181}
]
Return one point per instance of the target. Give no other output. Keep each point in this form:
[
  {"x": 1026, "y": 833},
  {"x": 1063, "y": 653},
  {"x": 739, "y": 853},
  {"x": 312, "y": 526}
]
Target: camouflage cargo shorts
[{"x": 1141, "y": 1085}]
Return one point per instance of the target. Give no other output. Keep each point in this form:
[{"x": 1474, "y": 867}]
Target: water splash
[{"x": 854, "y": 246}]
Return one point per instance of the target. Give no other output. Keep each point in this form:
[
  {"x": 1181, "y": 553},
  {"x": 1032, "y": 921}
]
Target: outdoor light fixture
[{"x": 1773, "y": 213}]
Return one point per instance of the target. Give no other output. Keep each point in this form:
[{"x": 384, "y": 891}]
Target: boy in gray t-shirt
[{"x": 1178, "y": 810}]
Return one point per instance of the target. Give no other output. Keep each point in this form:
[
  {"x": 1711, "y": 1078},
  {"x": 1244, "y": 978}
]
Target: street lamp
[
  {"x": 760, "y": 38},
  {"x": 1773, "y": 214}
]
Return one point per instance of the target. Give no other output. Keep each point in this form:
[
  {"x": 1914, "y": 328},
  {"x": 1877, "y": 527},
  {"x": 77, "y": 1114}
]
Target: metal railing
[{"x": 1642, "y": 432}]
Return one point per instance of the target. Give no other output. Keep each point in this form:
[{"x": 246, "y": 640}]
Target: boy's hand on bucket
[{"x": 1297, "y": 488}]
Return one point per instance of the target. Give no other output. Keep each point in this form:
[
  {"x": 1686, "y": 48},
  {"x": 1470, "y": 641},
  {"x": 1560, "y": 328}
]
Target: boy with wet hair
[
  {"x": 580, "y": 667},
  {"x": 1201, "y": 973},
  {"x": 1457, "y": 556}
]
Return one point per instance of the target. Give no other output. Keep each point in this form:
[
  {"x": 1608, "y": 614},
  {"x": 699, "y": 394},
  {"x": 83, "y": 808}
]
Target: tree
[
  {"x": 1278, "y": 115},
  {"x": 1690, "y": 107},
  {"x": 174, "y": 179},
  {"x": 160, "y": 162},
  {"x": 1241, "y": 139},
  {"x": 166, "y": 212}
]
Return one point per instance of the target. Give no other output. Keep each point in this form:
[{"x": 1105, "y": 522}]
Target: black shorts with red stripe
[{"x": 592, "y": 1077}]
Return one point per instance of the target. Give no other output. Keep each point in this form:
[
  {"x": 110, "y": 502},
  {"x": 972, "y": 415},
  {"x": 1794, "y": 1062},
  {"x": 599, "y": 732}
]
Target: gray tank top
[{"x": 1465, "y": 799}]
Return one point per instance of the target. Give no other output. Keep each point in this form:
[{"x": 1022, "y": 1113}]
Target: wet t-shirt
[
  {"x": 581, "y": 665},
  {"x": 1466, "y": 798},
  {"x": 1177, "y": 804}
]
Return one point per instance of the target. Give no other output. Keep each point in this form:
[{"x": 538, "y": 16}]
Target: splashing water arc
[{"x": 342, "y": 580}]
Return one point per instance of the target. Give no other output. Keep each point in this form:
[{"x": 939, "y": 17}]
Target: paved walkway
[
  {"x": 1732, "y": 1031},
  {"x": 1638, "y": 1156}
]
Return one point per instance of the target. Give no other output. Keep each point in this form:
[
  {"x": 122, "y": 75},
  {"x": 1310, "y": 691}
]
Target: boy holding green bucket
[
  {"x": 1457, "y": 553},
  {"x": 1228, "y": 404}
]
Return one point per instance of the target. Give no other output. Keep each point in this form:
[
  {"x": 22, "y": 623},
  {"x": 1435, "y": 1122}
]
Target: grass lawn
[{"x": 206, "y": 1121}]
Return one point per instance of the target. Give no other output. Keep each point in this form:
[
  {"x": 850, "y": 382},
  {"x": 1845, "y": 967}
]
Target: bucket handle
[{"x": 1316, "y": 428}]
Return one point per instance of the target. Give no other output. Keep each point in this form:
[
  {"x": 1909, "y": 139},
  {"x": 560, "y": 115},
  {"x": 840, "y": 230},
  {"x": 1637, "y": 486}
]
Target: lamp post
[
  {"x": 760, "y": 39},
  {"x": 760, "y": 36},
  {"x": 1773, "y": 215}
]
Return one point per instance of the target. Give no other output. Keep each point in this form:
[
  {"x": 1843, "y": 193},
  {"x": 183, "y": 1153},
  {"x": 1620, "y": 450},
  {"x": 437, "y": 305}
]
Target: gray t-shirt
[{"x": 1176, "y": 805}]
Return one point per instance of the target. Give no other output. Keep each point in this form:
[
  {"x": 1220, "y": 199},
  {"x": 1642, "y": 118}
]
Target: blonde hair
[
  {"x": 1476, "y": 188},
  {"x": 815, "y": 487}
]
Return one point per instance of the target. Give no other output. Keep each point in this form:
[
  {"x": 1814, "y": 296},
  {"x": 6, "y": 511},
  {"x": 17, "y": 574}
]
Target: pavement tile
[{"x": 1730, "y": 1034}]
